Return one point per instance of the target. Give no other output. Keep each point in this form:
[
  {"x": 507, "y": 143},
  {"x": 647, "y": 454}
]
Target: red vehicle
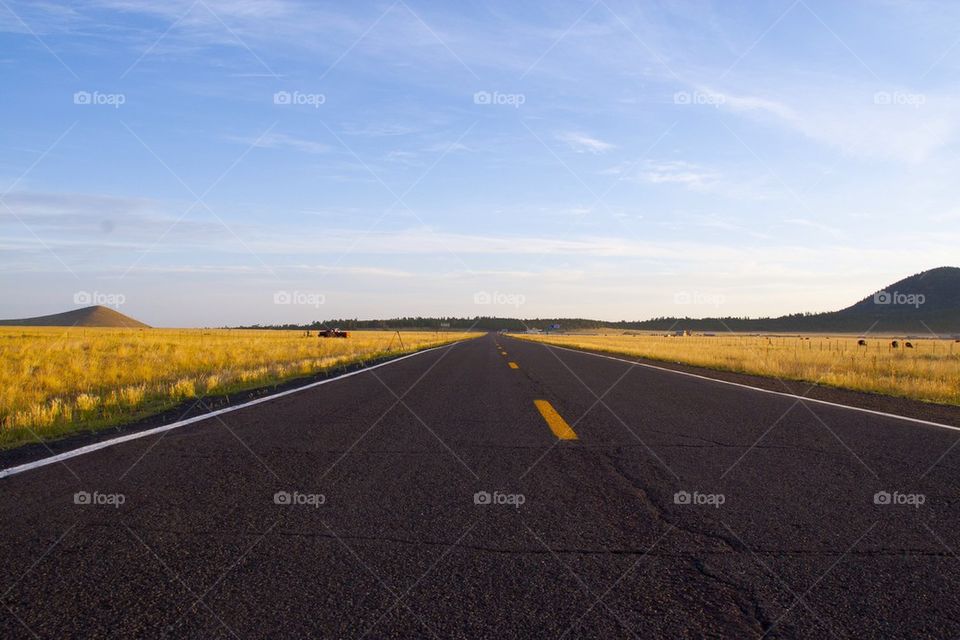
[{"x": 333, "y": 333}]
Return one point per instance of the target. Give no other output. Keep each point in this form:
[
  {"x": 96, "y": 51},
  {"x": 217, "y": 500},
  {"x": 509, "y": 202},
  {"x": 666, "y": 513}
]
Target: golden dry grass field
[
  {"x": 55, "y": 380},
  {"x": 930, "y": 371}
]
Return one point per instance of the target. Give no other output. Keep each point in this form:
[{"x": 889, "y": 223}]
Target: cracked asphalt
[{"x": 684, "y": 508}]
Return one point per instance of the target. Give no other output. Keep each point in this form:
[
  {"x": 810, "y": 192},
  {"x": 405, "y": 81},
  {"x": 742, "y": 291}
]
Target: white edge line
[
  {"x": 761, "y": 390},
  {"x": 73, "y": 453}
]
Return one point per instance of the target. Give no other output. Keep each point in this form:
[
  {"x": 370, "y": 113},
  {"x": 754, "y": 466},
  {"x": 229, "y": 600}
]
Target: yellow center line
[
  {"x": 556, "y": 423},
  {"x": 513, "y": 365}
]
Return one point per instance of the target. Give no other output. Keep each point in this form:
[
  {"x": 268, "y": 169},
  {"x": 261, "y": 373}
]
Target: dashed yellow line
[
  {"x": 513, "y": 365},
  {"x": 556, "y": 423}
]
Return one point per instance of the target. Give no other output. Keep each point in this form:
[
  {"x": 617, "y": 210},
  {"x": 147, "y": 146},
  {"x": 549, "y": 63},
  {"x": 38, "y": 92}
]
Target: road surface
[{"x": 496, "y": 489}]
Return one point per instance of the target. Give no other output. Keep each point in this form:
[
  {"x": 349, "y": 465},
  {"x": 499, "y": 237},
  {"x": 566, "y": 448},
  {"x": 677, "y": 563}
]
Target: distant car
[{"x": 333, "y": 333}]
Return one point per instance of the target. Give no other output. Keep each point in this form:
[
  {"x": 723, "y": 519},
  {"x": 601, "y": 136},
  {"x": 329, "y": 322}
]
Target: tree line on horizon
[{"x": 803, "y": 322}]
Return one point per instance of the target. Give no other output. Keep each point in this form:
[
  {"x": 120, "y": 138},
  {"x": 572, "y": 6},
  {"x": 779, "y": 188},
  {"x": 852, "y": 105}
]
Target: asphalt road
[{"x": 378, "y": 532}]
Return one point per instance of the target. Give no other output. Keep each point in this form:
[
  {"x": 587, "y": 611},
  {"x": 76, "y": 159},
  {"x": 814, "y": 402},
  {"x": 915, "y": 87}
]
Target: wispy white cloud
[
  {"x": 681, "y": 173},
  {"x": 447, "y": 147},
  {"x": 582, "y": 143},
  {"x": 889, "y": 123},
  {"x": 377, "y": 130},
  {"x": 694, "y": 177},
  {"x": 240, "y": 269},
  {"x": 401, "y": 156},
  {"x": 283, "y": 141}
]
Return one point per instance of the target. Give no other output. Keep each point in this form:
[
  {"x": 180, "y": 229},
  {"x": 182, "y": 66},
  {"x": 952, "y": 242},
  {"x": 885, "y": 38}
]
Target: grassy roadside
[
  {"x": 56, "y": 382},
  {"x": 929, "y": 371}
]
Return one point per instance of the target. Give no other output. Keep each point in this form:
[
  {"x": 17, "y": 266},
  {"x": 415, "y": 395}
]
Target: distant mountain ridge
[
  {"x": 920, "y": 304},
  {"x": 924, "y": 303},
  {"x": 96, "y": 316},
  {"x": 936, "y": 291}
]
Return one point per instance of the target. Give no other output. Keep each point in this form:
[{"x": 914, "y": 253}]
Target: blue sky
[{"x": 217, "y": 162}]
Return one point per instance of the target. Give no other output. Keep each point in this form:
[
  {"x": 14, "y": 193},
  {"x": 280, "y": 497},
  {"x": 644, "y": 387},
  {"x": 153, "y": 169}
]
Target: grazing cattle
[
  {"x": 894, "y": 344},
  {"x": 908, "y": 345},
  {"x": 861, "y": 343}
]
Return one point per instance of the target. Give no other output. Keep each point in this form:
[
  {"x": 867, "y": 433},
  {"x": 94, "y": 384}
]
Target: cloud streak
[{"x": 582, "y": 143}]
